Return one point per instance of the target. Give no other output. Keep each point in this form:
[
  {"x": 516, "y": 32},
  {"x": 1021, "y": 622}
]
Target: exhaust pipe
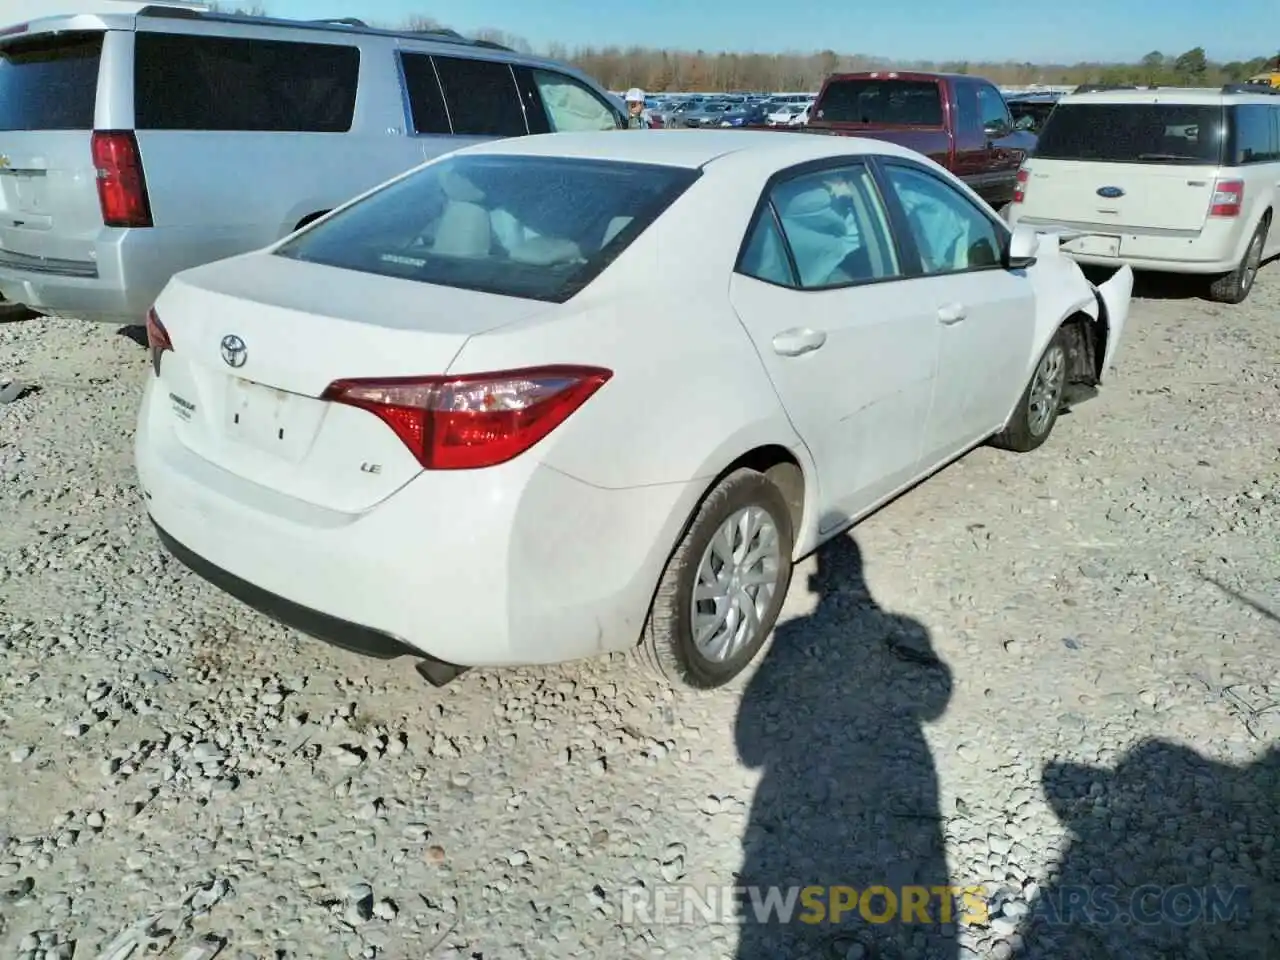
[{"x": 438, "y": 673}]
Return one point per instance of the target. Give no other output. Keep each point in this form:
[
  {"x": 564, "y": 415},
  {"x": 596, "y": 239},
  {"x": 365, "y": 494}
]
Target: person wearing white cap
[{"x": 637, "y": 115}]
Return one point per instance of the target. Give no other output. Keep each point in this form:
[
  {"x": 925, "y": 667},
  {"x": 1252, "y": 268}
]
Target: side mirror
[
  {"x": 1020, "y": 252},
  {"x": 996, "y": 130},
  {"x": 1025, "y": 123}
]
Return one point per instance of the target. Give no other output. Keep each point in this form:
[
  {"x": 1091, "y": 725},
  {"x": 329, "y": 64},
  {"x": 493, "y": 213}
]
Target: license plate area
[
  {"x": 271, "y": 421},
  {"x": 1094, "y": 245}
]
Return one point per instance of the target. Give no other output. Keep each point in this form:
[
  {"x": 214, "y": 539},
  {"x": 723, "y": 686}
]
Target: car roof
[
  {"x": 1208, "y": 96},
  {"x": 692, "y": 149}
]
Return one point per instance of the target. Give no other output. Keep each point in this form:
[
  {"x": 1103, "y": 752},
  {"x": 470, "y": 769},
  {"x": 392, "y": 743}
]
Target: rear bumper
[
  {"x": 121, "y": 280},
  {"x": 516, "y": 564},
  {"x": 1215, "y": 249}
]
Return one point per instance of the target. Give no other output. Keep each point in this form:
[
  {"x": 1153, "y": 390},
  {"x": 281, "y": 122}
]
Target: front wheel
[
  {"x": 723, "y": 588},
  {"x": 1038, "y": 408},
  {"x": 1234, "y": 287}
]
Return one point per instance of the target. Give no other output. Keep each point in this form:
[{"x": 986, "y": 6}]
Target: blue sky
[{"x": 1067, "y": 31}]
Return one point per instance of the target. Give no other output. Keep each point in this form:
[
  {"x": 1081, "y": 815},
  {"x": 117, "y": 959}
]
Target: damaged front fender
[{"x": 1114, "y": 297}]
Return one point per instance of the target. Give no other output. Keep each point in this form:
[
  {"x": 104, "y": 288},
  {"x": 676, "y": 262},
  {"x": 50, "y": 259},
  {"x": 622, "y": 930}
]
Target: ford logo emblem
[
  {"x": 234, "y": 352},
  {"x": 1111, "y": 193}
]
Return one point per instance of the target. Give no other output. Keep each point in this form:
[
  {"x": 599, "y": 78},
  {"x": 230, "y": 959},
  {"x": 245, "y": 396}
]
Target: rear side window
[
  {"x": 883, "y": 102},
  {"x": 222, "y": 83},
  {"x": 482, "y": 97},
  {"x": 541, "y": 228},
  {"x": 1254, "y": 138},
  {"x": 49, "y": 82},
  {"x": 1170, "y": 133},
  {"x": 426, "y": 102}
]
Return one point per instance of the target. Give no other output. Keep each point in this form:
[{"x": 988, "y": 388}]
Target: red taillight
[
  {"x": 477, "y": 420},
  {"x": 1227, "y": 199},
  {"x": 1020, "y": 188},
  {"x": 122, "y": 187},
  {"x": 157, "y": 339}
]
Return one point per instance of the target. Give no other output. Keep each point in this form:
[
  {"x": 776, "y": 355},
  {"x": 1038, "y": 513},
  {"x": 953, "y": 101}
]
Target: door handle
[
  {"x": 952, "y": 313},
  {"x": 798, "y": 340}
]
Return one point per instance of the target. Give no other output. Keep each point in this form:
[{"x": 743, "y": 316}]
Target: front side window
[
  {"x": 835, "y": 227},
  {"x": 520, "y": 226},
  {"x": 994, "y": 111},
  {"x": 49, "y": 82},
  {"x": 186, "y": 82},
  {"x": 950, "y": 232},
  {"x": 570, "y": 105},
  {"x": 481, "y": 96}
]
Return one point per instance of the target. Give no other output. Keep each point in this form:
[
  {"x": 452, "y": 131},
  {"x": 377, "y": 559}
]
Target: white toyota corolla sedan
[{"x": 550, "y": 397}]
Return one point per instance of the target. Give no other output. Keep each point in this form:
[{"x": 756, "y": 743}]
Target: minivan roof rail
[{"x": 335, "y": 24}]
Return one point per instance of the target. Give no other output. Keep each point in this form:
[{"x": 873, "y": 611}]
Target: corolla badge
[
  {"x": 234, "y": 352},
  {"x": 1110, "y": 193}
]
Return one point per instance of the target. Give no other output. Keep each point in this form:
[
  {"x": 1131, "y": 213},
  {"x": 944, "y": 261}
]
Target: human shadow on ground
[
  {"x": 849, "y": 797},
  {"x": 1171, "y": 855}
]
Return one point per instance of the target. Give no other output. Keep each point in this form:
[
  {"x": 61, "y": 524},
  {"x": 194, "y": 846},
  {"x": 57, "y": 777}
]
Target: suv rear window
[
  {"x": 884, "y": 102},
  {"x": 541, "y": 228},
  {"x": 1170, "y": 133},
  {"x": 186, "y": 82},
  {"x": 49, "y": 82}
]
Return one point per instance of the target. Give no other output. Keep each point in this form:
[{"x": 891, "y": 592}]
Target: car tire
[
  {"x": 1234, "y": 287},
  {"x": 669, "y": 647},
  {"x": 1038, "y": 407}
]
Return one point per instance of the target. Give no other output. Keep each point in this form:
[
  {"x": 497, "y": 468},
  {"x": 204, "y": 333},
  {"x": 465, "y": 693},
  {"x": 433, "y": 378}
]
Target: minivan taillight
[
  {"x": 476, "y": 420},
  {"x": 1228, "y": 198},
  {"x": 122, "y": 186},
  {"x": 157, "y": 339},
  {"x": 1020, "y": 187}
]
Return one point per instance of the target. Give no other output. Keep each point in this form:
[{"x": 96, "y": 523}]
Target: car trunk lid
[
  {"x": 256, "y": 341},
  {"x": 1119, "y": 196}
]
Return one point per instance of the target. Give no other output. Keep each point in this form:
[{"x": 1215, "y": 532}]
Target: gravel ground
[{"x": 1040, "y": 674}]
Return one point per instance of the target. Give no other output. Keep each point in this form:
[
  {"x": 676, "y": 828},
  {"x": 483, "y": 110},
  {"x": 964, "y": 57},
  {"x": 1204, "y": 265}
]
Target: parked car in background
[
  {"x": 837, "y": 319},
  {"x": 133, "y": 146},
  {"x": 748, "y": 115},
  {"x": 1178, "y": 180},
  {"x": 709, "y": 113},
  {"x": 959, "y": 121}
]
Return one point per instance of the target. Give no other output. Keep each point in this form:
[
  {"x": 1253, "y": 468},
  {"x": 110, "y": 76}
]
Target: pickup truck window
[
  {"x": 951, "y": 234},
  {"x": 915, "y": 103},
  {"x": 995, "y": 112},
  {"x": 1172, "y": 133}
]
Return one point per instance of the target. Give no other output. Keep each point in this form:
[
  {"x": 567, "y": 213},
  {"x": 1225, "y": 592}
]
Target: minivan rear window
[
  {"x": 49, "y": 82},
  {"x": 884, "y": 102},
  {"x": 536, "y": 227},
  {"x": 1170, "y": 133}
]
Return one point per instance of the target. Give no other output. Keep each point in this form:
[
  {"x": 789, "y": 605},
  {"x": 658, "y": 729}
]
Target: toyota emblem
[{"x": 234, "y": 352}]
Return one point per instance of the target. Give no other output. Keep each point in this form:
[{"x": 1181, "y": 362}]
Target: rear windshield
[
  {"x": 49, "y": 82},
  {"x": 1173, "y": 133},
  {"x": 887, "y": 102},
  {"x": 541, "y": 228}
]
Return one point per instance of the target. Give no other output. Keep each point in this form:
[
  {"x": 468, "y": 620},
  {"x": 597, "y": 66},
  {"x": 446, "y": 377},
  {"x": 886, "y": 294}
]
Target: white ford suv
[{"x": 1167, "y": 179}]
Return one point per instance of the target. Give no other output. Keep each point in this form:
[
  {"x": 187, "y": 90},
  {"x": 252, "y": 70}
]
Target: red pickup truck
[{"x": 959, "y": 121}]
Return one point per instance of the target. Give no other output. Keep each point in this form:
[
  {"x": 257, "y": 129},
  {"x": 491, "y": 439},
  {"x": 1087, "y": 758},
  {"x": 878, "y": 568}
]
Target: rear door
[
  {"x": 849, "y": 347},
  {"x": 1135, "y": 166},
  {"x": 49, "y": 211}
]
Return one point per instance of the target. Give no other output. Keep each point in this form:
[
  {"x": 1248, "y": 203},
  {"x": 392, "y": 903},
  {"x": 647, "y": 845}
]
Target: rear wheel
[
  {"x": 723, "y": 588},
  {"x": 1038, "y": 408},
  {"x": 1234, "y": 287}
]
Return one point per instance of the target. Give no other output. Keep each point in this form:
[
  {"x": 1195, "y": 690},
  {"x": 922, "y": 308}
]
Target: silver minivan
[{"x": 136, "y": 145}]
